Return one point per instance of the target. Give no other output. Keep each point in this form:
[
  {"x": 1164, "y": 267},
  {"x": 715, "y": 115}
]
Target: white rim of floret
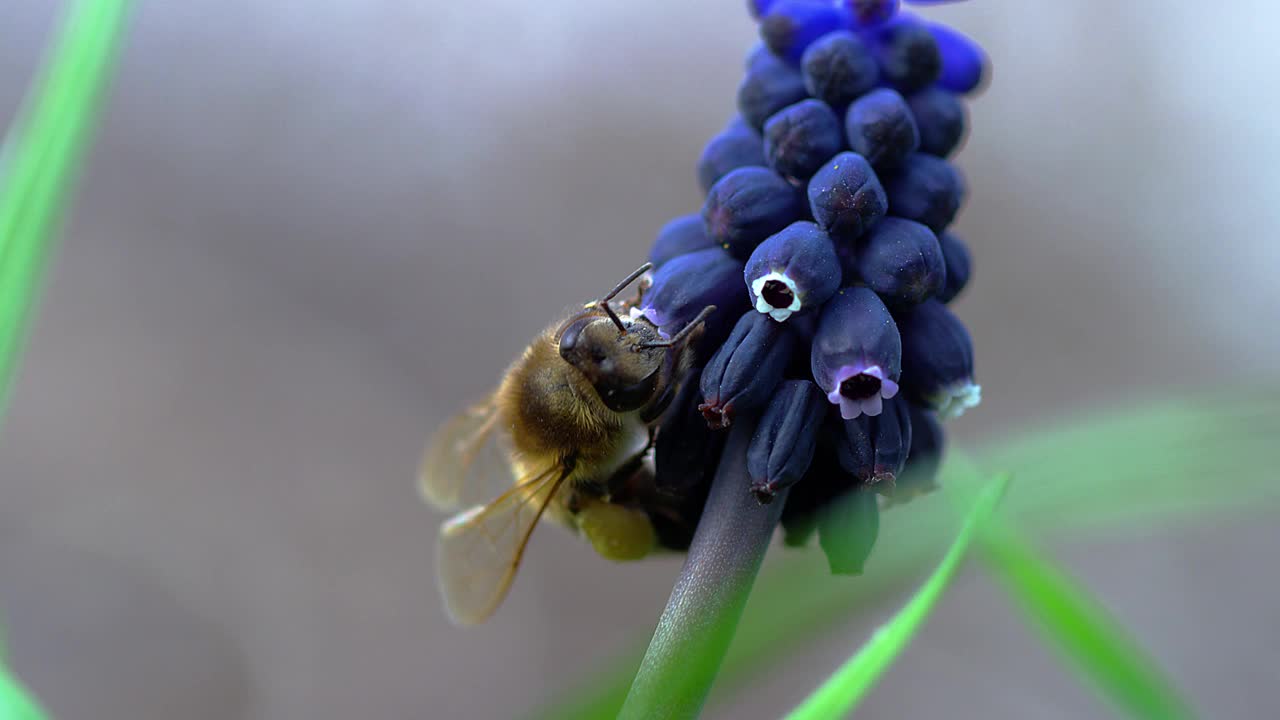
[
  {"x": 851, "y": 409},
  {"x": 763, "y": 306},
  {"x": 954, "y": 400}
]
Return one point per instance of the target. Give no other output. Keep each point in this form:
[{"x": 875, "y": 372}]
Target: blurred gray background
[{"x": 311, "y": 229}]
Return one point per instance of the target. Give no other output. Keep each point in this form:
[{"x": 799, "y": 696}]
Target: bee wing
[
  {"x": 480, "y": 549},
  {"x": 462, "y": 465}
]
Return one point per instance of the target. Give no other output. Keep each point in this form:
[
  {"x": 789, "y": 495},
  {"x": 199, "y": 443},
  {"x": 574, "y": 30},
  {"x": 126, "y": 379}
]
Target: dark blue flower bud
[
  {"x": 737, "y": 124},
  {"x": 964, "y": 64},
  {"x": 801, "y": 138},
  {"x": 839, "y": 68},
  {"x": 847, "y": 531},
  {"x": 758, "y": 8},
  {"x": 687, "y": 284},
  {"x": 874, "y": 449},
  {"x": 920, "y": 475},
  {"x": 959, "y": 263},
  {"x": 748, "y": 205},
  {"x": 902, "y": 261},
  {"x": 869, "y": 13},
  {"x": 824, "y": 481},
  {"x": 757, "y": 55},
  {"x": 727, "y": 151},
  {"x": 908, "y": 53},
  {"x": 937, "y": 360},
  {"x": 793, "y": 271},
  {"x": 782, "y": 447},
  {"x": 881, "y": 128},
  {"x": 790, "y": 26},
  {"x": 940, "y": 117},
  {"x": 857, "y": 354},
  {"x": 686, "y": 452},
  {"x": 743, "y": 372},
  {"x": 926, "y": 189},
  {"x": 768, "y": 87},
  {"x": 846, "y": 197},
  {"x": 681, "y": 236}
]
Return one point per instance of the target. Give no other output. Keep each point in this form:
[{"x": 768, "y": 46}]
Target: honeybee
[{"x": 573, "y": 418}]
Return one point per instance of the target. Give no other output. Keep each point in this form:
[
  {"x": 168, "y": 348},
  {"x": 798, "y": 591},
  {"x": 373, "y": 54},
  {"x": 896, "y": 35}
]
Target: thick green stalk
[{"x": 698, "y": 624}]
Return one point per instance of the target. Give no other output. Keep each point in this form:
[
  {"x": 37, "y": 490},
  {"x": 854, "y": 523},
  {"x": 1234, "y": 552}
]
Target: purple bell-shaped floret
[
  {"x": 857, "y": 354},
  {"x": 937, "y": 360},
  {"x": 793, "y": 271}
]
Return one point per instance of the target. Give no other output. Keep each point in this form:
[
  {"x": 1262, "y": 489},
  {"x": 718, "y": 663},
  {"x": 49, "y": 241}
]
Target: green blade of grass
[
  {"x": 41, "y": 158},
  {"x": 1084, "y": 634},
  {"x": 15, "y": 702},
  {"x": 841, "y": 694},
  {"x": 39, "y": 161}
]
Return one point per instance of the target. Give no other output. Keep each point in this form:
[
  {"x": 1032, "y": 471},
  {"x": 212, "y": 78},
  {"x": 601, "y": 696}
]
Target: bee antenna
[
  {"x": 630, "y": 279},
  {"x": 604, "y": 301},
  {"x": 613, "y": 316},
  {"x": 684, "y": 331}
]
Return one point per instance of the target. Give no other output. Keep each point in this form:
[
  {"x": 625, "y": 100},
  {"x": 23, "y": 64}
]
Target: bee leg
[{"x": 615, "y": 531}]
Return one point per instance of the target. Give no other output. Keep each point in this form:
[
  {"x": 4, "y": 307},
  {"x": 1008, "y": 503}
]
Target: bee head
[{"x": 616, "y": 359}]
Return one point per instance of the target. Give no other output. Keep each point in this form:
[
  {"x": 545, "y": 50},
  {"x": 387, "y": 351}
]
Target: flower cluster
[{"x": 823, "y": 242}]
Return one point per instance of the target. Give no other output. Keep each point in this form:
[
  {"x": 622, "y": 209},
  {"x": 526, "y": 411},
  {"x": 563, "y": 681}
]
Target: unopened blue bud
[
  {"x": 728, "y": 151},
  {"x": 920, "y": 475},
  {"x": 857, "y": 354},
  {"x": 839, "y": 68},
  {"x": 790, "y": 26},
  {"x": 937, "y": 360},
  {"x": 824, "y": 481},
  {"x": 681, "y": 236},
  {"x": 846, "y": 197},
  {"x": 686, "y": 451},
  {"x": 847, "y": 530},
  {"x": 801, "y": 138},
  {"x": 874, "y": 449},
  {"x": 869, "y": 13},
  {"x": 744, "y": 371},
  {"x": 769, "y": 86},
  {"x": 881, "y": 128},
  {"x": 687, "y": 284},
  {"x": 926, "y": 189},
  {"x": 940, "y": 116},
  {"x": 902, "y": 261},
  {"x": 964, "y": 64},
  {"x": 758, "y": 8},
  {"x": 782, "y": 447},
  {"x": 748, "y": 205},
  {"x": 908, "y": 53},
  {"x": 959, "y": 263},
  {"x": 757, "y": 55},
  {"x": 793, "y": 271}
]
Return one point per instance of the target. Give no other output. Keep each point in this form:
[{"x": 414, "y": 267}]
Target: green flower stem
[{"x": 700, "y": 619}]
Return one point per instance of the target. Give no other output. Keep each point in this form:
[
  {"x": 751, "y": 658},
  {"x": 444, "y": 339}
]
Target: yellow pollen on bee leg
[{"x": 617, "y": 532}]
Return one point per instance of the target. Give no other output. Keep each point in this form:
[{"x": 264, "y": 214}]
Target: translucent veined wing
[
  {"x": 480, "y": 549},
  {"x": 463, "y": 465}
]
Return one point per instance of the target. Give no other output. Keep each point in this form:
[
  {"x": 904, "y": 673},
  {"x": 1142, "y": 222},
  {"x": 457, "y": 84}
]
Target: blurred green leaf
[
  {"x": 841, "y": 694},
  {"x": 1153, "y": 466},
  {"x": 1092, "y": 643},
  {"x": 39, "y": 161},
  {"x": 15, "y": 701},
  {"x": 41, "y": 157}
]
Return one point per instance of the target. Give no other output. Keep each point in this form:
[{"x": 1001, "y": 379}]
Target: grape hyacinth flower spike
[{"x": 817, "y": 388}]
